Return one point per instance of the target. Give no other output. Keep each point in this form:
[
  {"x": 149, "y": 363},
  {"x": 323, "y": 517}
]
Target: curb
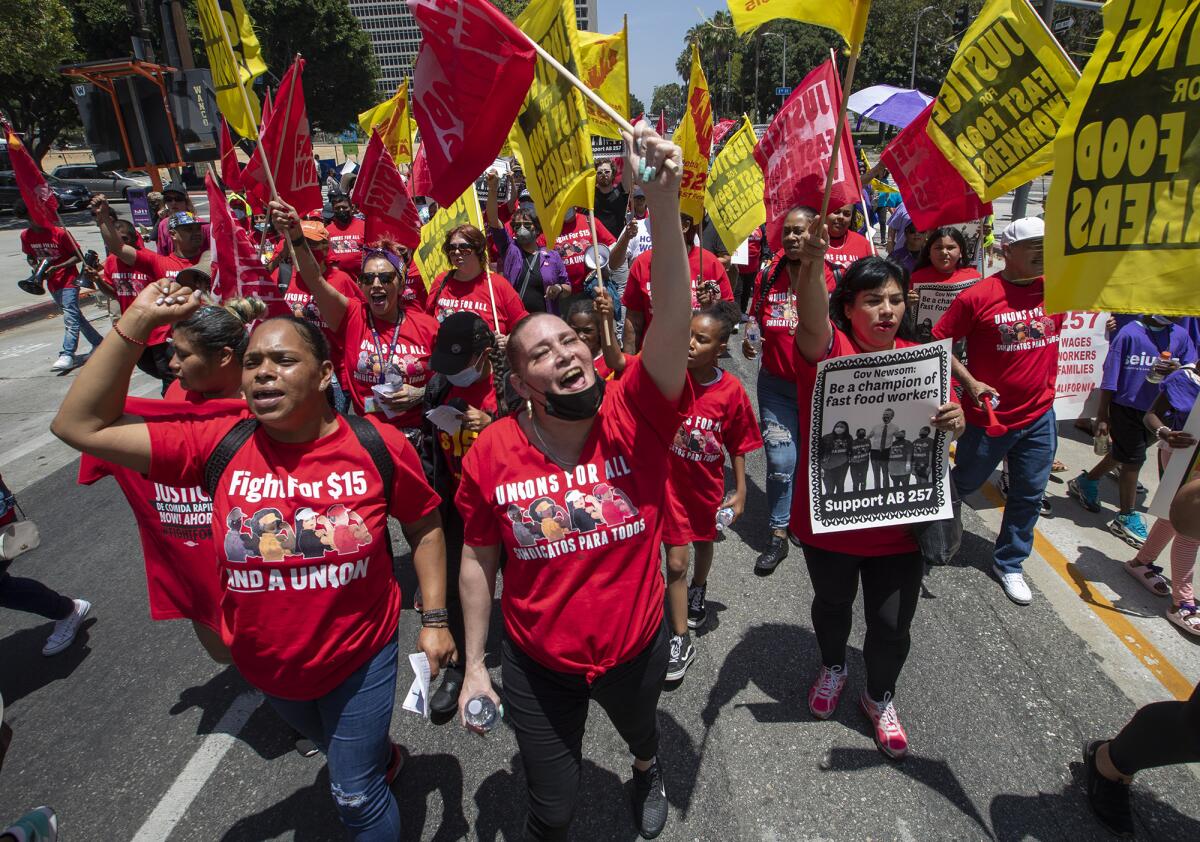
[{"x": 40, "y": 310}]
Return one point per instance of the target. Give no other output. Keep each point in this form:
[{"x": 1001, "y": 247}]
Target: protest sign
[
  {"x": 605, "y": 63},
  {"x": 694, "y": 136},
  {"x": 1183, "y": 467},
  {"x": 933, "y": 300},
  {"x": 431, "y": 260},
  {"x": 1122, "y": 230},
  {"x": 1082, "y": 347},
  {"x": 735, "y": 188},
  {"x": 551, "y": 136},
  {"x": 874, "y": 459},
  {"x": 139, "y": 206},
  {"x": 1004, "y": 97}
]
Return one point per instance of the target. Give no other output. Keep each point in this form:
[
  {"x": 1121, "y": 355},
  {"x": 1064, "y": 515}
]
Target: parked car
[
  {"x": 70, "y": 195},
  {"x": 115, "y": 184}
]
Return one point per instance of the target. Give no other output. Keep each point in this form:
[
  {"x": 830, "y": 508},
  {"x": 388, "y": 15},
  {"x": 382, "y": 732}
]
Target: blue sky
[{"x": 656, "y": 30}]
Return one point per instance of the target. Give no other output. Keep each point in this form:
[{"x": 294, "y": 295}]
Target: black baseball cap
[{"x": 460, "y": 337}]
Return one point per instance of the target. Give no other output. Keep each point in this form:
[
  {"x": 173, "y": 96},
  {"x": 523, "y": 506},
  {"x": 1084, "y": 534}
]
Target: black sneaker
[
  {"x": 445, "y": 698},
  {"x": 1109, "y": 799},
  {"x": 682, "y": 655},
  {"x": 1044, "y": 506},
  {"x": 766, "y": 563},
  {"x": 697, "y": 612},
  {"x": 649, "y": 801}
]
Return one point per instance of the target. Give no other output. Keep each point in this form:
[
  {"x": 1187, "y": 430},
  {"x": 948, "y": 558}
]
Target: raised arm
[
  {"x": 492, "y": 210},
  {"x": 331, "y": 303},
  {"x": 813, "y": 333},
  {"x": 112, "y": 240}
]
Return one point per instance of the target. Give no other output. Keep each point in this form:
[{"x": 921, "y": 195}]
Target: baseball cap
[
  {"x": 460, "y": 337},
  {"x": 175, "y": 187},
  {"x": 183, "y": 218},
  {"x": 198, "y": 276},
  {"x": 314, "y": 231},
  {"x": 1026, "y": 228}
]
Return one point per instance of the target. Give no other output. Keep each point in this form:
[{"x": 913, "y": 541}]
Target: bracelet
[
  {"x": 1158, "y": 433},
  {"x": 435, "y": 615},
  {"x": 299, "y": 241},
  {"x": 127, "y": 337}
]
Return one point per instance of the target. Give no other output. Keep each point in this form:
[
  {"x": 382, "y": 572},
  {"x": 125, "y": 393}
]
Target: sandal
[
  {"x": 1186, "y": 617},
  {"x": 1150, "y": 577},
  {"x": 1058, "y": 467}
]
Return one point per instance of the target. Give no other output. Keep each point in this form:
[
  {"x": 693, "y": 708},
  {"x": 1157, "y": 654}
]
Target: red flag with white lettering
[
  {"x": 39, "y": 199},
  {"x": 934, "y": 192},
  {"x": 231, "y": 169},
  {"x": 419, "y": 181},
  {"x": 470, "y": 81},
  {"x": 721, "y": 129},
  {"x": 382, "y": 196},
  {"x": 287, "y": 142},
  {"x": 240, "y": 271}
]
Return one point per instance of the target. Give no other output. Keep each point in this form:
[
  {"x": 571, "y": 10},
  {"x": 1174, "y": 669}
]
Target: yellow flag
[
  {"x": 1004, "y": 97},
  {"x": 605, "y": 63},
  {"x": 846, "y": 17},
  {"x": 394, "y": 119},
  {"x": 694, "y": 136},
  {"x": 735, "y": 188},
  {"x": 238, "y": 60},
  {"x": 1122, "y": 220},
  {"x": 552, "y": 130},
  {"x": 431, "y": 260}
]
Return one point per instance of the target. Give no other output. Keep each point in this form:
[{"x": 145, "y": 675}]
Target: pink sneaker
[
  {"x": 826, "y": 690},
  {"x": 890, "y": 737}
]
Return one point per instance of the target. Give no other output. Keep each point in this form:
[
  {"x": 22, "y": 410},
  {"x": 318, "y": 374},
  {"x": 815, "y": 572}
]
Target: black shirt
[{"x": 611, "y": 207}]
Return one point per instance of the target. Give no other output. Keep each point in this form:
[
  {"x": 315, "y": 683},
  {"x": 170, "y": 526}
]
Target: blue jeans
[
  {"x": 350, "y": 726},
  {"x": 778, "y": 417},
  {"x": 67, "y": 300},
  {"x": 1030, "y": 453}
]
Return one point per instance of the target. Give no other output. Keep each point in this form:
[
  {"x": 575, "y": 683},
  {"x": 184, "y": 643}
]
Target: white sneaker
[
  {"x": 65, "y": 362},
  {"x": 66, "y": 628},
  {"x": 1014, "y": 586}
]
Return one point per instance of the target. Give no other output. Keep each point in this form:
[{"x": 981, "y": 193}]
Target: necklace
[{"x": 549, "y": 451}]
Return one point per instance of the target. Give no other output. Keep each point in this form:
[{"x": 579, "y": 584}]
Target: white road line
[{"x": 199, "y": 769}]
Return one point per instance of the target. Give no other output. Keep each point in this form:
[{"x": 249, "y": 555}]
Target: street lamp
[
  {"x": 912, "y": 79},
  {"x": 782, "y": 64}
]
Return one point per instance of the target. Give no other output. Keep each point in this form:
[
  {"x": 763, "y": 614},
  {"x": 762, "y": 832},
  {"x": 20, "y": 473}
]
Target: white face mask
[{"x": 467, "y": 376}]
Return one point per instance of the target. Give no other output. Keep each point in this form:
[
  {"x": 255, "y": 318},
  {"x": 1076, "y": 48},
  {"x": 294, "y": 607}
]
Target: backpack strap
[
  {"x": 372, "y": 442},
  {"x": 224, "y": 452}
]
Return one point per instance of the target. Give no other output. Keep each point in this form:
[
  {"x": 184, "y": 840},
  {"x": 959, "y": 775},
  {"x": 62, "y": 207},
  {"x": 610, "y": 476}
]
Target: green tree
[
  {"x": 669, "y": 98},
  {"x": 35, "y": 37},
  {"x": 636, "y": 106}
]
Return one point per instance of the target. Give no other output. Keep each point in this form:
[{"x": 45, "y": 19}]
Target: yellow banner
[
  {"x": 694, "y": 136},
  {"x": 431, "y": 260},
  {"x": 1123, "y": 220},
  {"x": 846, "y": 17},
  {"x": 238, "y": 60},
  {"x": 394, "y": 119},
  {"x": 552, "y": 132},
  {"x": 1004, "y": 97},
  {"x": 605, "y": 63},
  {"x": 735, "y": 188}
]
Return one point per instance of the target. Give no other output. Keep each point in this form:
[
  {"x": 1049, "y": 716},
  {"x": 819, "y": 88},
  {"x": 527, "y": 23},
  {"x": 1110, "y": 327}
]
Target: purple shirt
[
  {"x": 553, "y": 270},
  {"x": 905, "y": 258},
  {"x": 1181, "y": 388},
  {"x": 1133, "y": 352}
]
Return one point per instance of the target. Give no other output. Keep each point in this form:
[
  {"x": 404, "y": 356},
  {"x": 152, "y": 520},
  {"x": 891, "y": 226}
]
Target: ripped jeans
[
  {"x": 778, "y": 415},
  {"x": 350, "y": 726}
]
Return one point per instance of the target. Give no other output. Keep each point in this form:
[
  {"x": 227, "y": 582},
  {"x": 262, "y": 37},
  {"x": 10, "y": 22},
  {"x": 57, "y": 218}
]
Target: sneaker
[
  {"x": 825, "y": 692},
  {"x": 1109, "y": 799},
  {"x": 1014, "y": 586},
  {"x": 1002, "y": 484},
  {"x": 66, "y": 628},
  {"x": 1044, "y": 506},
  {"x": 1085, "y": 490},
  {"x": 697, "y": 612},
  {"x": 766, "y": 563},
  {"x": 1186, "y": 617},
  {"x": 65, "y": 362},
  {"x": 682, "y": 655},
  {"x": 40, "y": 825},
  {"x": 306, "y": 747},
  {"x": 890, "y": 737},
  {"x": 649, "y": 799},
  {"x": 1130, "y": 528}
]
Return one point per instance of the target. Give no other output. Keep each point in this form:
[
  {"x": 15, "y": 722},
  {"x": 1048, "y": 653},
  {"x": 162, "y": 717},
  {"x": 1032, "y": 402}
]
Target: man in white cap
[{"x": 1012, "y": 348}]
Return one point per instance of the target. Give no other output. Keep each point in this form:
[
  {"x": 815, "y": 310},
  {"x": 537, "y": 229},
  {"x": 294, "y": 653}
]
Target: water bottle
[
  {"x": 724, "y": 518},
  {"x": 753, "y": 333},
  {"x": 1157, "y": 372},
  {"x": 482, "y": 713},
  {"x": 1100, "y": 445}
]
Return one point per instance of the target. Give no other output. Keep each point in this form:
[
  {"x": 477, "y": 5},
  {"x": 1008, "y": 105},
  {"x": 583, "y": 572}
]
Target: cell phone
[
  {"x": 90, "y": 258},
  {"x": 628, "y": 217}
]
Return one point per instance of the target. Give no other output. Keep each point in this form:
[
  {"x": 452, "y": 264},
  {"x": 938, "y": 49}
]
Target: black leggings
[
  {"x": 1161, "y": 734},
  {"x": 891, "y": 586},
  {"x": 32, "y": 596},
  {"x": 548, "y": 711}
]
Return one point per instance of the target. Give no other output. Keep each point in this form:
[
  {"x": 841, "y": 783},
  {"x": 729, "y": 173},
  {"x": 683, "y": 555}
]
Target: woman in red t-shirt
[
  {"x": 863, "y": 316},
  {"x": 470, "y": 286},
  {"x": 943, "y": 260},
  {"x": 573, "y": 489},
  {"x": 309, "y": 619}
]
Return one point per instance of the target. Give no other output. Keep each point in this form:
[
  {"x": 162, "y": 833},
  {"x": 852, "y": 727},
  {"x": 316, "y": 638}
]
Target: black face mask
[
  {"x": 342, "y": 216},
  {"x": 577, "y": 406}
]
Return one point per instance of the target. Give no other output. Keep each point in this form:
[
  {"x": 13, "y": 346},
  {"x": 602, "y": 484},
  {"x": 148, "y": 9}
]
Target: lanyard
[{"x": 385, "y": 362}]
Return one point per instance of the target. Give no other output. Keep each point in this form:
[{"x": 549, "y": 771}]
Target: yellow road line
[{"x": 1126, "y": 632}]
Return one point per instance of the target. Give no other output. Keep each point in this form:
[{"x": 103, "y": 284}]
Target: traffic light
[{"x": 961, "y": 18}]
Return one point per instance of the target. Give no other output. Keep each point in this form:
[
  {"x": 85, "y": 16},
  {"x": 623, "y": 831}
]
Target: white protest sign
[
  {"x": 1082, "y": 347},
  {"x": 1184, "y": 465},
  {"x": 933, "y": 300}
]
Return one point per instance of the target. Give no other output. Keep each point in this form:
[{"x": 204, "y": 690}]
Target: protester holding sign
[
  {"x": 469, "y": 285},
  {"x": 863, "y": 316},
  {"x": 942, "y": 273}
]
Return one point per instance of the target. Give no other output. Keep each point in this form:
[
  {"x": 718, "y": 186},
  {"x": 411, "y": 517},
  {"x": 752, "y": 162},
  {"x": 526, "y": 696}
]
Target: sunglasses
[
  {"x": 457, "y": 247},
  {"x": 368, "y": 279}
]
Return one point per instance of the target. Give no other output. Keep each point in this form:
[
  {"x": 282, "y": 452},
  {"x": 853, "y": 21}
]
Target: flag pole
[
  {"x": 487, "y": 269},
  {"x": 287, "y": 117},
  {"x": 847, "y": 82},
  {"x": 599, "y": 270}
]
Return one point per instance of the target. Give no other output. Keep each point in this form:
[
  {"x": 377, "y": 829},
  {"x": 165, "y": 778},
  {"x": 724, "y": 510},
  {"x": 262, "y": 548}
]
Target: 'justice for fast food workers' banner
[
  {"x": 431, "y": 260},
  {"x": 735, "y": 188},
  {"x": 694, "y": 136}
]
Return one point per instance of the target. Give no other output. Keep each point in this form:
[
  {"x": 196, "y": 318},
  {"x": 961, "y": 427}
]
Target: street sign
[
  {"x": 782, "y": 91},
  {"x": 1063, "y": 24}
]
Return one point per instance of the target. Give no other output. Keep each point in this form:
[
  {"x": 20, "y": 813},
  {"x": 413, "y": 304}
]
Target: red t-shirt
[
  {"x": 53, "y": 244},
  {"x": 703, "y": 266},
  {"x": 303, "y": 303},
  {"x": 414, "y": 295},
  {"x": 607, "y": 373},
  {"x": 583, "y": 588},
  {"x": 719, "y": 419},
  {"x": 174, "y": 521},
  {"x": 930, "y": 275},
  {"x": 1012, "y": 345},
  {"x": 881, "y": 540},
  {"x": 451, "y": 296},
  {"x": 777, "y": 320},
  {"x": 300, "y": 533},
  {"x": 851, "y": 247},
  {"x": 365, "y": 356},
  {"x": 574, "y": 239},
  {"x": 128, "y": 282},
  {"x": 345, "y": 245},
  {"x": 480, "y": 395},
  {"x": 159, "y": 266}
]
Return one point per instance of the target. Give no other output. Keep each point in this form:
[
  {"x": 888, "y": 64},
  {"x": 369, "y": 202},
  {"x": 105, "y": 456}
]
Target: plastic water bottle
[
  {"x": 482, "y": 713},
  {"x": 1158, "y": 370},
  {"x": 753, "y": 333},
  {"x": 724, "y": 518}
]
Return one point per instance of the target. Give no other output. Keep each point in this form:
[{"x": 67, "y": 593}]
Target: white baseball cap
[{"x": 1026, "y": 228}]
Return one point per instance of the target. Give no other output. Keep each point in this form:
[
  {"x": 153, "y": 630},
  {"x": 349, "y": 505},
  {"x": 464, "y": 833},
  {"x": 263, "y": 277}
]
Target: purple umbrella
[{"x": 888, "y": 104}]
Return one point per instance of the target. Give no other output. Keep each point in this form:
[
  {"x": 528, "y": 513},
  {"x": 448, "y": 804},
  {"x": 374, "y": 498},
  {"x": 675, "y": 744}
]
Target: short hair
[
  {"x": 581, "y": 307},
  {"x": 725, "y": 314}
]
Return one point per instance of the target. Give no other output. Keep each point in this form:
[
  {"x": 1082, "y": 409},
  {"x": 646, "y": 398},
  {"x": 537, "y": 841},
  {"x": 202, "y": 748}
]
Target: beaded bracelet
[{"x": 127, "y": 337}]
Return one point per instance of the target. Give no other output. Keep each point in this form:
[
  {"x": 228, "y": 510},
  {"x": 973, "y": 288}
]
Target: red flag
[
  {"x": 419, "y": 180},
  {"x": 39, "y": 199},
  {"x": 266, "y": 111},
  {"x": 795, "y": 151},
  {"x": 287, "y": 142},
  {"x": 382, "y": 196},
  {"x": 662, "y": 124},
  {"x": 231, "y": 170},
  {"x": 470, "y": 81},
  {"x": 240, "y": 271},
  {"x": 933, "y": 190},
  {"x": 721, "y": 129}
]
